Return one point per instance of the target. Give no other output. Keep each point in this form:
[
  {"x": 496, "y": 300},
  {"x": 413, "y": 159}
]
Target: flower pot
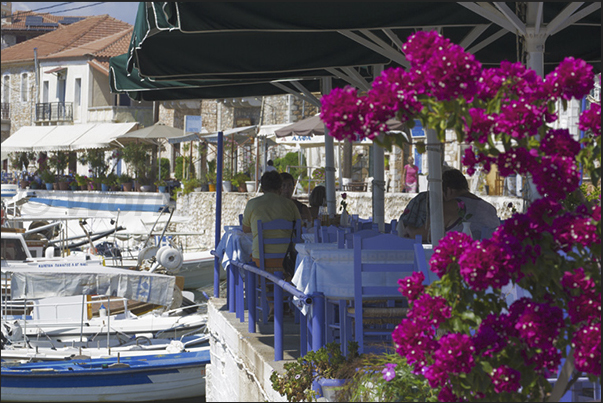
[
  {"x": 226, "y": 186},
  {"x": 205, "y": 187},
  {"x": 329, "y": 387},
  {"x": 24, "y": 184},
  {"x": 63, "y": 185},
  {"x": 84, "y": 187},
  {"x": 212, "y": 187},
  {"x": 147, "y": 188},
  {"x": 34, "y": 185},
  {"x": 104, "y": 188},
  {"x": 250, "y": 185},
  {"x": 90, "y": 186},
  {"x": 127, "y": 186},
  {"x": 55, "y": 186},
  {"x": 75, "y": 187},
  {"x": 49, "y": 186},
  {"x": 162, "y": 189}
]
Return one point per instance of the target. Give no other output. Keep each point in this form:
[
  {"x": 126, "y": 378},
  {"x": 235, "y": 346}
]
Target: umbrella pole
[
  {"x": 436, "y": 200},
  {"x": 329, "y": 159}
]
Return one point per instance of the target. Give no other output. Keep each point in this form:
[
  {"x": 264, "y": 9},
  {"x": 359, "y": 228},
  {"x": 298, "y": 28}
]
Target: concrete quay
[{"x": 242, "y": 362}]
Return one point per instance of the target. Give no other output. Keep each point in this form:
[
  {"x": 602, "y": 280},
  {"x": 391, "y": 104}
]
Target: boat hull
[{"x": 144, "y": 378}]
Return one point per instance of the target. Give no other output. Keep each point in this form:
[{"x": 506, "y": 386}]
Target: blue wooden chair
[
  {"x": 363, "y": 233},
  {"x": 329, "y": 234},
  {"x": 376, "y": 310},
  {"x": 266, "y": 249}
]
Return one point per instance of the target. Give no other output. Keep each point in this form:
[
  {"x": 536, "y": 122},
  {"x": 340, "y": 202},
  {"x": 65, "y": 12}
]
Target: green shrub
[
  {"x": 178, "y": 174},
  {"x": 165, "y": 168}
]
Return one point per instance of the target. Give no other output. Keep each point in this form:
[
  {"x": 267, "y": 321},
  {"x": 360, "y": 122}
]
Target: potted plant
[
  {"x": 137, "y": 155},
  {"x": 48, "y": 178},
  {"x": 302, "y": 377},
  {"x": 126, "y": 182},
  {"x": 82, "y": 181},
  {"x": 239, "y": 181},
  {"x": 63, "y": 182},
  {"x": 161, "y": 185},
  {"x": 211, "y": 175}
]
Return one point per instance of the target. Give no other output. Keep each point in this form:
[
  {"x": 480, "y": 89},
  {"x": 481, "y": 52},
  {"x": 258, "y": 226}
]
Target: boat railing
[{"x": 242, "y": 295}]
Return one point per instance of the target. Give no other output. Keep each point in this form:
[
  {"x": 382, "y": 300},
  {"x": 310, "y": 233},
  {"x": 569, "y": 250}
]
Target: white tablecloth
[
  {"x": 327, "y": 269},
  {"x": 235, "y": 245}
]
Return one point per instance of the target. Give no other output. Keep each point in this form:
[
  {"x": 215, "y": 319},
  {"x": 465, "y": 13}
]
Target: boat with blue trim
[{"x": 119, "y": 379}]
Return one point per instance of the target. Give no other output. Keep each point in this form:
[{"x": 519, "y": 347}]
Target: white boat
[
  {"x": 137, "y": 378},
  {"x": 56, "y": 299},
  {"x": 140, "y": 346}
]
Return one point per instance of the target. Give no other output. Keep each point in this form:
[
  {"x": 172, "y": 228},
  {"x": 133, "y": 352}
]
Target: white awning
[
  {"x": 24, "y": 138},
  {"x": 61, "y": 137},
  {"x": 66, "y": 137},
  {"x": 102, "y": 135}
]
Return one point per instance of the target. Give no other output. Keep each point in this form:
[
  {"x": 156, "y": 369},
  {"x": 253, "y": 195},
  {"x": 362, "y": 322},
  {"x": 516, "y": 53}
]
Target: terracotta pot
[
  {"x": 24, "y": 184},
  {"x": 55, "y": 186},
  {"x": 212, "y": 187},
  {"x": 63, "y": 185},
  {"x": 127, "y": 186}
]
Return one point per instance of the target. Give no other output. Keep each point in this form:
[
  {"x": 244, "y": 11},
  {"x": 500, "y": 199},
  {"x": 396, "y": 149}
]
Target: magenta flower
[
  {"x": 340, "y": 112},
  {"x": 491, "y": 336},
  {"x": 448, "y": 251},
  {"x": 433, "y": 310},
  {"x": 412, "y": 286},
  {"x": 389, "y": 372},
  {"x": 414, "y": 340},
  {"x": 573, "y": 78},
  {"x": 590, "y": 119},
  {"x": 587, "y": 345},
  {"x": 505, "y": 379}
]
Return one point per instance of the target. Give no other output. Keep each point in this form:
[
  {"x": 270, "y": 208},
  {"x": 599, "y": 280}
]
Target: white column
[
  {"x": 434, "y": 179},
  {"x": 329, "y": 159}
]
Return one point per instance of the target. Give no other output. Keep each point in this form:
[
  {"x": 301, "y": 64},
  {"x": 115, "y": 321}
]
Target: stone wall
[{"x": 201, "y": 208}]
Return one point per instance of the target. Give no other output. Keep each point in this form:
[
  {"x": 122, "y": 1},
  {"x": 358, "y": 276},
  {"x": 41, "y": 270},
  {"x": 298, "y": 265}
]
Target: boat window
[{"x": 12, "y": 249}]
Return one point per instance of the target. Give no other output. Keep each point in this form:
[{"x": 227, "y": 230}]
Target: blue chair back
[
  {"x": 329, "y": 234},
  {"x": 370, "y": 266},
  {"x": 264, "y": 240},
  {"x": 363, "y": 233}
]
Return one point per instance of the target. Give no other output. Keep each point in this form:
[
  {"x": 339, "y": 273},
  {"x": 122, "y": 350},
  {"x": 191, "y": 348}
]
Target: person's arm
[{"x": 246, "y": 229}]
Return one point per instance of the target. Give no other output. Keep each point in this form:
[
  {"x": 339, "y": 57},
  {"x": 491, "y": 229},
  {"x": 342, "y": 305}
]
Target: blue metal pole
[
  {"x": 231, "y": 296},
  {"x": 251, "y": 299},
  {"x": 278, "y": 320},
  {"x": 318, "y": 321},
  {"x": 218, "y": 228}
]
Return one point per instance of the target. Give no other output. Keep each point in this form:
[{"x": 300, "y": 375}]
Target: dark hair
[
  {"x": 271, "y": 181},
  {"x": 286, "y": 176},
  {"x": 318, "y": 196},
  {"x": 269, "y": 162},
  {"x": 454, "y": 179}
]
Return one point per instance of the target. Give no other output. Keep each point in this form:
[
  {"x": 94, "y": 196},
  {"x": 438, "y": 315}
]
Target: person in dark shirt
[{"x": 287, "y": 189}]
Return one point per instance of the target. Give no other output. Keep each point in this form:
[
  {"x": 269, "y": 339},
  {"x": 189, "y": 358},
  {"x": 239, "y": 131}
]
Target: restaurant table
[{"x": 325, "y": 268}]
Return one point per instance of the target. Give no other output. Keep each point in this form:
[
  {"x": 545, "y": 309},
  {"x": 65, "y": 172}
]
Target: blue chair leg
[{"x": 251, "y": 300}]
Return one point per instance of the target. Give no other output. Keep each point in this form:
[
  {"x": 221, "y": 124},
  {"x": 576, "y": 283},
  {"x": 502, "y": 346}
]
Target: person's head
[
  {"x": 288, "y": 185},
  {"x": 318, "y": 196},
  {"x": 453, "y": 181},
  {"x": 271, "y": 182},
  {"x": 410, "y": 160},
  {"x": 269, "y": 162}
]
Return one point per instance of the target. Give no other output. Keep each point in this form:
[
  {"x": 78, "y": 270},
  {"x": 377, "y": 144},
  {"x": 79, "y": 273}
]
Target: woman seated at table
[
  {"x": 287, "y": 189},
  {"x": 318, "y": 199},
  {"x": 270, "y": 206}
]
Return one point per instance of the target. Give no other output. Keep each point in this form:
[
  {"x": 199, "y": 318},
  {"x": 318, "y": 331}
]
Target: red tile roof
[{"x": 89, "y": 36}]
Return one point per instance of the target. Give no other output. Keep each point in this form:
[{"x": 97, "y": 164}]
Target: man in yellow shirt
[{"x": 270, "y": 206}]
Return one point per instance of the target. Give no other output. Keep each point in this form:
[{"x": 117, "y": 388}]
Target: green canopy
[{"x": 278, "y": 39}]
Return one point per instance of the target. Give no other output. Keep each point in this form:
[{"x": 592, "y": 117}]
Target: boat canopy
[{"x": 64, "y": 278}]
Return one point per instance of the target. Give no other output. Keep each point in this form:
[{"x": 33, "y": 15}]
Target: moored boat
[{"x": 139, "y": 378}]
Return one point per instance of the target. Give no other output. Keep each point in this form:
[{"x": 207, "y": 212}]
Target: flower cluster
[{"x": 552, "y": 251}]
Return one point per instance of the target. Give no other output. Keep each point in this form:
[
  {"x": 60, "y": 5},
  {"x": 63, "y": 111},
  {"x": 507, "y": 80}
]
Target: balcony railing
[
  {"x": 54, "y": 112},
  {"x": 5, "y": 110}
]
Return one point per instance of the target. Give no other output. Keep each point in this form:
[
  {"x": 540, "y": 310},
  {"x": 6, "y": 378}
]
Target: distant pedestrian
[
  {"x": 410, "y": 176},
  {"x": 270, "y": 166}
]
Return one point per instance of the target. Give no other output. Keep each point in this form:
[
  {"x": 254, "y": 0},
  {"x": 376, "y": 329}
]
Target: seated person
[
  {"x": 287, "y": 191},
  {"x": 477, "y": 211},
  {"x": 455, "y": 189},
  {"x": 318, "y": 199},
  {"x": 267, "y": 207}
]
